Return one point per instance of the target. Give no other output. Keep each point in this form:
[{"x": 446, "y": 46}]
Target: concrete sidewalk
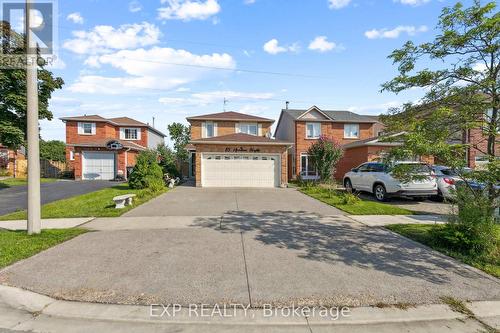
[
  {"x": 383, "y": 220},
  {"x": 22, "y": 310},
  {"x": 64, "y": 223}
]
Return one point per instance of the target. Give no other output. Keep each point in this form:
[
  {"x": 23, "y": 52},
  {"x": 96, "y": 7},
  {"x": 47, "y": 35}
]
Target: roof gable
[{"x": 314, "y": 113}]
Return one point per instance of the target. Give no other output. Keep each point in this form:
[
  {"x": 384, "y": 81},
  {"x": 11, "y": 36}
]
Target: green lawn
[
  {"x": 9, "y": 182},
  {"x": 94, "y": 204},
  {"x": 422, "y": 233},
  {"x": 17, "y": 245},
  {"x": 362, "y": 207}
]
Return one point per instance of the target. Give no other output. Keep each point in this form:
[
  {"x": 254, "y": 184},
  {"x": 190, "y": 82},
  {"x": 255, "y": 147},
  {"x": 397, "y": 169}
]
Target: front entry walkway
[{"x": 195, "y": 201}]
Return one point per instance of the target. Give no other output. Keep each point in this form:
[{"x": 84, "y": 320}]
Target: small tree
[
  {"x": 147, "y": 173},
  {"x": 53, "y": 150},
  {"x": 167, "y": 160},
  {"x": 325, "y": 154},
  {"x": 180, "y": 135}
]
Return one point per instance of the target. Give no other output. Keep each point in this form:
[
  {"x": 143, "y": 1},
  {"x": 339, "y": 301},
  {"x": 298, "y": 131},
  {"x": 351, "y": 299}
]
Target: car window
[
  {"x": 364, "y": 167},
  {"x": 377, "y": 167},
  {"x": 448, "y": 172}
]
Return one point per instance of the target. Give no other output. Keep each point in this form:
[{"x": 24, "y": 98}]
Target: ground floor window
[{"x": 307, "y": 169}]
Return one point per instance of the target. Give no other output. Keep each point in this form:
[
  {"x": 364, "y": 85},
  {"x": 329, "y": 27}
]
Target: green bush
[
  {"x": 349, "y": 199},
  {"x": 4, "y": 172},
  {"x": 472, "y": 229},
  {"x": 147, "y": 173},
  {"x": 167, "y": 161}
]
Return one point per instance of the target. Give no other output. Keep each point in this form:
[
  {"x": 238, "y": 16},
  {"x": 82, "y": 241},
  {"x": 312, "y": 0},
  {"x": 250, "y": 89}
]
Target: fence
[{"x": 48, "y": 169}]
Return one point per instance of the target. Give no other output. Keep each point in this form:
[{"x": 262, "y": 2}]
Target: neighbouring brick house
[
  {"x": 98, "y": 148},
  {"x": 231, "y": 149},
  {"x": 9, "y": 157},
  {"x": 358, "y": 135},
  {"x": 476, "y": 154}
]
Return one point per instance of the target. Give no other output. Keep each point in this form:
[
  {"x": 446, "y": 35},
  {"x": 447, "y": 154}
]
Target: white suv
[{"x": 376, "y": 178}]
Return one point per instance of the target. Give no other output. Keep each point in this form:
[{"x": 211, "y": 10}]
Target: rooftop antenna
[{"x": 225, "y": 103}]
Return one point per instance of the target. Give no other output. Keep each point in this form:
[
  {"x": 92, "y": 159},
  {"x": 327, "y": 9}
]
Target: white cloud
[
  {"x": 273, "y": 47},
  {"x": 249, "y": 2},
  {"x": 321, "y": 44},
  {"x": 412, "y": 2},
  {"x": 156, "y": 68},
  {"x": 134, "y": 6},
  {"x": 105, "y": 38},
  {"x": 75, "y": 18},
  {"x": 214, "y": 97},
  {"x": 374, "y": 109},
  {"x": 187, "y": 10},
  {"x": 337, "y": 4},
  {"x": 394, "y": 33}
]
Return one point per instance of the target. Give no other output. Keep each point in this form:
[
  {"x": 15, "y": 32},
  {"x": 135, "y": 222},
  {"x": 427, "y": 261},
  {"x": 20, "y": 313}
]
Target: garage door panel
[
  {"x": 98, "y": 166},
  {"x": 240, "y": 171}
]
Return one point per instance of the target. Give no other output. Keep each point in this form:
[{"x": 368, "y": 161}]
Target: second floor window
[
  {"x": 251, "y": 129},
  {"x": 351, "y": 131},
  {"x": 131, "y": 134},
  {"x": 209, "y": 129},
  {"x": 86, "y": 128},
  {"x": 313, "y": 130}
]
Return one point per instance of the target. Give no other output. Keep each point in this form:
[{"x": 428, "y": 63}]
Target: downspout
[{"x": 126, "y": 162}]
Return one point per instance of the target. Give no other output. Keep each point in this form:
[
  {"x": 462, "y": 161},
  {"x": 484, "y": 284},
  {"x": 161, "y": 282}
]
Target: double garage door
[
  {"x": 98, "y": 165},
  {"x": 240, "y": 170}
]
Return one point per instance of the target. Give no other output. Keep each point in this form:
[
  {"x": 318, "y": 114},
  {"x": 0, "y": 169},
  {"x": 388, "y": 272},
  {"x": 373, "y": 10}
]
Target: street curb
[{"x": 27, "y": 301}]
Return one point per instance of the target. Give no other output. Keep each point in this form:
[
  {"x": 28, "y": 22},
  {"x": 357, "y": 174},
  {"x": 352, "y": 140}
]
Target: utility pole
[{"x": 34, "y": 222}]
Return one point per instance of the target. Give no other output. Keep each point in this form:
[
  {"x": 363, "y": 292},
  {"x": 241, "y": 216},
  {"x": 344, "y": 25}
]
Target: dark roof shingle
[
  {"x": 229, "y": 115},
  {"x": 337, "y": 116}
]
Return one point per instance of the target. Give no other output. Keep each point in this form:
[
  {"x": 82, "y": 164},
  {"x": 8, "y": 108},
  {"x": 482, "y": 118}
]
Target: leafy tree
[
  {"x": 459, "y": 72},
  {"x": 53, "y": 150},
  {"x": 13, "y": 91},
  {"x": 147, "y": 173},
  {"x": 462, "y": 90},
  {"x": 325, "y": 154},
  {"x": 167, "y": 160},
  {"x": 180, "y": 135}
]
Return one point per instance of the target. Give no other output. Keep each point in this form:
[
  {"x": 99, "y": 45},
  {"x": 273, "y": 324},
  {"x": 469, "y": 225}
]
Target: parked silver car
[
  {"x": 376, "y": 178},
  {"x": 446, "y": 179}
]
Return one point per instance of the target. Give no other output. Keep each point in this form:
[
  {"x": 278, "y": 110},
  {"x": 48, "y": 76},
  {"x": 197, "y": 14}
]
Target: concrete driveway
[
  {"x": 276, "y": 258},
  {"x": 193, "y": 201},
  {"x": 15, "y": 198}
]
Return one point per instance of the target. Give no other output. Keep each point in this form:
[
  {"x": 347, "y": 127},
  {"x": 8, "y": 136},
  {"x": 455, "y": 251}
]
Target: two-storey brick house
[
  {"x": 231, "y": 149},
  {"x": 356, "y": 133},
  {"x": 101, "y": 148}
]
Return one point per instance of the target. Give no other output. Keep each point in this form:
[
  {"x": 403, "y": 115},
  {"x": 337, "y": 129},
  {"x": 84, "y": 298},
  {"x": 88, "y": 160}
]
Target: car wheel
[
  {"x": 348, "y": 185},
  {"x": 380, "y": 192},
  {"x": 437, "y": 198}
]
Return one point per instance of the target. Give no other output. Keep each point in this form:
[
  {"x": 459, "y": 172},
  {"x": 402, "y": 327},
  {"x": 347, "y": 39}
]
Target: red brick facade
[
  {"x": 335, "y": 131},
  {"x": 78, "y": 143},
  {"x": 479, "y": 145}
]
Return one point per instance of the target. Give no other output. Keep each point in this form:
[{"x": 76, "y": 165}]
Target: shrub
[
  {"x": 472, "y": 229},
  {"x": 167, "y": 161},
  {"x": 147, "y": 173},
  {"x": 4, "y": 172},
  {"x": 325, "y": 154},
  {"x": 349, "y": 199}
]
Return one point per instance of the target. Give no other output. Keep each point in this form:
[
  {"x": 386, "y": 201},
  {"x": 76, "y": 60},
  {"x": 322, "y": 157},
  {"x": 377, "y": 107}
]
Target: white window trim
[
  {"x": 351, "y": 137},
  {"x": 81, "y": 128},
  {"x": 204, "y": 129},
  {"x": 306, "y": 177},
  {"x": 71, "y": 155},
  {"x": 122, "y": 133},
  {"x": 257, "y": 126},
  {"x": 313, "y": 137}
]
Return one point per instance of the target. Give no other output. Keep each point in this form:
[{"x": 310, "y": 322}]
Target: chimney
[
  {"x": 153, "y": 122},
  {"x": 286, "y": 105}
]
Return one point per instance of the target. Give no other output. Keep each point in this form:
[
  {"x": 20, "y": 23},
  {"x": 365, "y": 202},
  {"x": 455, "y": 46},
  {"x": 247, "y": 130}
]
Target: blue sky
[{"x": 176, "y": 58}]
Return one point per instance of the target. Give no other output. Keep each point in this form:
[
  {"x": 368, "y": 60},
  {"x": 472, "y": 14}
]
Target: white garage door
[
  {"x": 98, "y": 165},
  {"x": 240, "y": 170}
]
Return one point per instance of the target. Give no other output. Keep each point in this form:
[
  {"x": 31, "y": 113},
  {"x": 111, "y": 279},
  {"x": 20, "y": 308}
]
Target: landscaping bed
[
  {"x": 423, "y": 233},
  {"x": 18, "y": 245},
  {"x": 338, "y": 199},
  {"x": 94, "y": 204}
]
